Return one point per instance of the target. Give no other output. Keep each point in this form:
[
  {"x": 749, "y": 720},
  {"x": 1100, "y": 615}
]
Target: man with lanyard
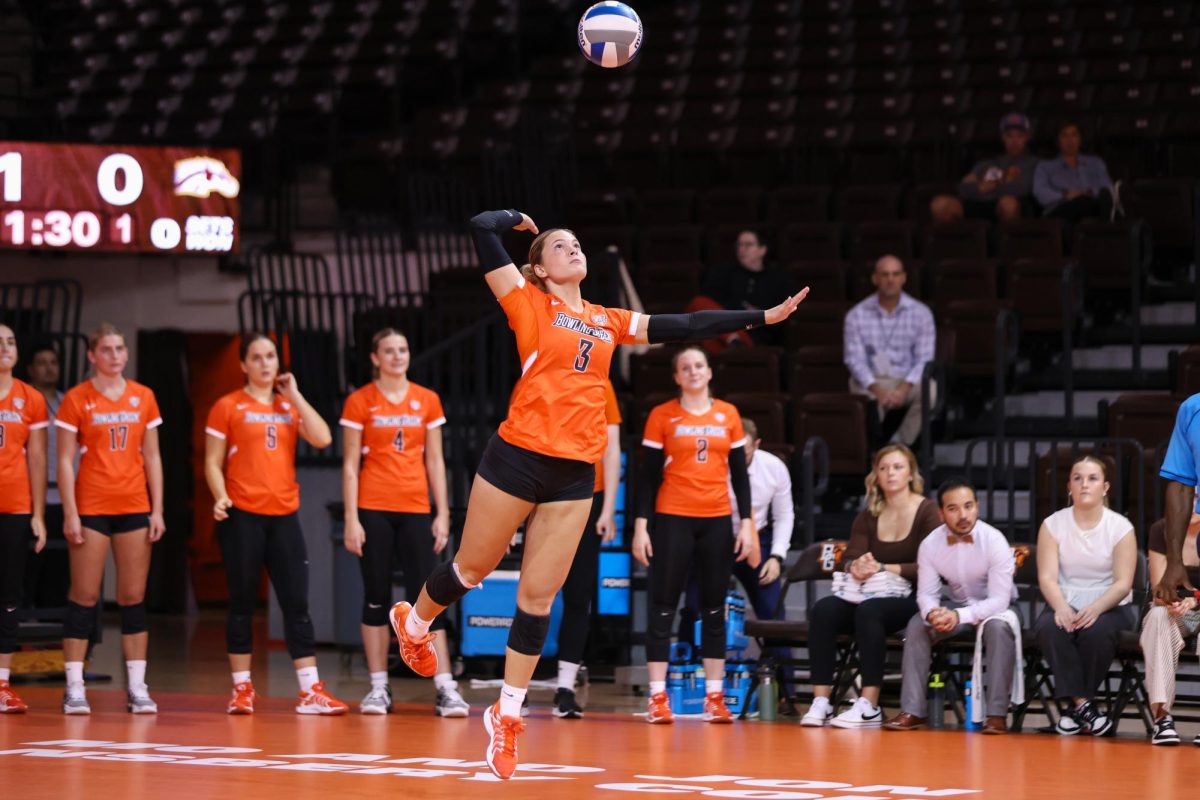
[{"x": 888, "y": 339}]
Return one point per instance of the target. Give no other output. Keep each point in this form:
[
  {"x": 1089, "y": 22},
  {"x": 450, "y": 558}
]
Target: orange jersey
[
  {"x": 112, "y": 472},
  {"x": 260, "y": 452},
  {"x": 22, "y": 411},
  {"x": 557, "y": 407},
  {"x": 392, "y": 476},
  {"x": 695, "y": 457},
  {"x": 612, "y": 416}
]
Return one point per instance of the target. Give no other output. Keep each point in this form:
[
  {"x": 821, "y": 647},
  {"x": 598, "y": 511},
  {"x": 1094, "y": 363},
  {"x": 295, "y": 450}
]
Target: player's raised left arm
[
  {"x": 501, "y": 274},
  {"x": 699, "y": 325}
]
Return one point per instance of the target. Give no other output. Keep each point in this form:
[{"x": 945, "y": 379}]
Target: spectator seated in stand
[
  {"x": 749, "y": 283},
  {"x": 999, "y": 188},
  {"x": 888, "y": 339},
  {"x": 1075, "y": 186}
]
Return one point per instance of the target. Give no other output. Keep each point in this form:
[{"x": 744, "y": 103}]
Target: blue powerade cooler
[{"x": 486, "y": 614}]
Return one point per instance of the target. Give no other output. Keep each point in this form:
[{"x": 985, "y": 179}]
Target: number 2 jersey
[
  {"x": 557, "y": 407},
  {"x": 112, "y": 472},
  {"x": 392, "y": 476},
  {"x": 21, "y": 412},
  {"x": 260, "y": 452},
  {"x": 695, "y": 457}
]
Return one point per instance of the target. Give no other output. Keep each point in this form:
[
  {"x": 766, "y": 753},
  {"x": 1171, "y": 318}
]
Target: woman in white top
[{"x": 1087, "y": 556}]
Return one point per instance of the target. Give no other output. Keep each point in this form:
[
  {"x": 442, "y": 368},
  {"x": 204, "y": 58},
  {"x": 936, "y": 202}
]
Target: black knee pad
[
  {"x": 239, "y": 633},
  {"x": 133, "y": 619},
  {"x": 712, "y": 632},
  {"x": 79, "y": 622},
  {"x": 298, "y": 634},
  {"x": 444, "y": 586},
  {"x": 658, "y": 633},
  {"x": 375, "y": 615},
  {"x": 528, "y": 633}
]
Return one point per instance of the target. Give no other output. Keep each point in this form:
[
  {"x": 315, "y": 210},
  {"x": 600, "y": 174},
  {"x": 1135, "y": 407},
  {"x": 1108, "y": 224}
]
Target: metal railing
[{"x": 814, "y": 480}]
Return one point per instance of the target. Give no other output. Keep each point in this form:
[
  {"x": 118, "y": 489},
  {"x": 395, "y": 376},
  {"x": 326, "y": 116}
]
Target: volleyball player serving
[{"x": 544, "y": 453}]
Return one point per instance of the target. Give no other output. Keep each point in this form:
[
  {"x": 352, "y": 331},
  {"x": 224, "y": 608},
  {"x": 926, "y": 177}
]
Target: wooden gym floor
[{"x": 191, "y": 749}]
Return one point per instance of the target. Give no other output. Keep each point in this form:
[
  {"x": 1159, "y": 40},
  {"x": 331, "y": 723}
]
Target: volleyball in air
[{"x": 610, "y": 34}]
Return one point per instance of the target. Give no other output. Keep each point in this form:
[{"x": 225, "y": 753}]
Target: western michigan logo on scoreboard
[{"x": 200, "y": 176}]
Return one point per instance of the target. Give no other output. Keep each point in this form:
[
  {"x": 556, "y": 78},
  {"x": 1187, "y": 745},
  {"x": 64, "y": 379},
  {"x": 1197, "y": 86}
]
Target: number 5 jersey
[
  {"x": 260, "y": 452},
  {"x": 112, "y": 472}
]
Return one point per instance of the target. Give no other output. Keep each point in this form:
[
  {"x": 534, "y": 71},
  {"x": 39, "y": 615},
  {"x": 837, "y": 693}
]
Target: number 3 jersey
[
  {"x": 695, "y": 457},
  {"x": 260, "y": 452},
  {"x": 22, "y": 411},
  {"x": 557, "y": 408},
  {"x": 392, "y": 476},
  {"x": 112, "y": 472}
]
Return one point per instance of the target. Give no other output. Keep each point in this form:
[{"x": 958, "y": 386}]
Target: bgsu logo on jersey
[
  {"x": 200, "y": 176},
  {"x": 135, "y": 401}
]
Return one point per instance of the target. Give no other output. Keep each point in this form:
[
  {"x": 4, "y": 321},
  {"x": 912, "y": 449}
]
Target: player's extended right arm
[{"x": 501, "y": 274}]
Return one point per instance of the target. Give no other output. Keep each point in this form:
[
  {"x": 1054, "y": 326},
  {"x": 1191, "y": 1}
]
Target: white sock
[
  {"x": 135, "y": 671},
  {"x": 416, "y": 627},
  {"x": 867, "y": 703},
  {"x": 241, "y": 676},
  {"x": 74, "y": 670},
  {"x": 443, "y": 680},
  {"x": 657, "y": 686},
  {"x": 307, "y": 677},
  {"x": 5, "y": 673},
  {"x": 566, "y": 675},
  {"x": 379, "y": 680},
  {"x": 511, "y": 699},
  {"x": 819, "y": 704},
  {"x": 716, "y": 686}
]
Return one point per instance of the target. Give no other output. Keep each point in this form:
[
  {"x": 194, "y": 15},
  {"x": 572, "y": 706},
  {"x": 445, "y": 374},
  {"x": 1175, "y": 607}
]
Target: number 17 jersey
[
  {"x": 557, "y": 408},
  {"x": 260, "y": 452}
]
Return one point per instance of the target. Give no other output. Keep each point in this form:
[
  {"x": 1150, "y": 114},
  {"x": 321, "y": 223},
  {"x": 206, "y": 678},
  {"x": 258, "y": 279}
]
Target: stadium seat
[
  {"x": 666, "y": 287},
  {"x": 663, "y": 207},
  {"x": 1168, "y": 204},
  {"x": 867, "y": 203},
  {"x": 768, "y": 410},
  {"x": 791, "y": 204},
  {"x": 1034, "y": 287},
  {"x": 729, "y": 206},
  {"x": 841, "y": 419},
  {"x": 1031, "y": 238},
  {"x": 817, "y": 368},
  {"x": 820, "y": 324},
  {"x": 871, "y": 240},
  {"x": 974, "y": 324},
  {"x": 810, "y": 241},
  {"x": 747, "y": 369},
  {"x": 959, "y": 279},
  {"x": 966, "y": 239},
  {"x": 667, "y": 243},
  {"x": 1187, "y": 372},
  {"x": 826, "y": 279},
  {"x": 651, "y": 372},
  {"x": 1112, "y": 254}
]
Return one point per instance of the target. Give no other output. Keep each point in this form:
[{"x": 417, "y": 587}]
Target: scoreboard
[{"x": 116, "y": 198}]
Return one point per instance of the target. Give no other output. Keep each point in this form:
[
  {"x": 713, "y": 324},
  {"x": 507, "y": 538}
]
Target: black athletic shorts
[
  {"x": 535, "y": 477},
  {"x": 110, "y": 524}
]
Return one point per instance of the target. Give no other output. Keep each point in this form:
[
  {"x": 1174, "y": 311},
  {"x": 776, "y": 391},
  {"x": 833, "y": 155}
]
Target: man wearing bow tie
[{"x": 964, "y": 578}]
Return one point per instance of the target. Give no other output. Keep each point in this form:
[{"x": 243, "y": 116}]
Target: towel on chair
[{"x": 1017, "y": 693}]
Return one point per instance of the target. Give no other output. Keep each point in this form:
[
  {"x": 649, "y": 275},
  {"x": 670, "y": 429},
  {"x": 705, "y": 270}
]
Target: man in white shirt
[
  {"x": 971, "y": 564},
  {"x": 774, "y": 518}
]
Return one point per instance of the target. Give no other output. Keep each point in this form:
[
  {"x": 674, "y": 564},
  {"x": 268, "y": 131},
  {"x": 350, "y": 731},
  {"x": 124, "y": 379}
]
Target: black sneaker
[
  {"x": 1164, "y": 732},
  {"x": 1091, "y": 720},
  {"x": 565, "y": 705}
]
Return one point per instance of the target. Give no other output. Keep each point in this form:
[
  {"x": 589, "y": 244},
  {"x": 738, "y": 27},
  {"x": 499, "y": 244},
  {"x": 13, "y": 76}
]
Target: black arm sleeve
[
  {"x": 649, "y": 480},
  {"x": 700, "y": 325},
  {"x": 485, "y": 230},
  {"x": 739, "y": 475}
]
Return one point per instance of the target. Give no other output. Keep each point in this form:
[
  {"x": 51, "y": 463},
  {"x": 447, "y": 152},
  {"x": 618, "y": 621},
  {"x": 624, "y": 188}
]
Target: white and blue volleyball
[{"x": 610, "y": 34}]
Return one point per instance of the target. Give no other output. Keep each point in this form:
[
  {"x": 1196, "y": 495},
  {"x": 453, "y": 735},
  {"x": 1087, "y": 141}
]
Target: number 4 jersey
[
  {"x": 112, "y": 472},
  {"x": 260, "y": 452},
  {"x": 695, "y": 457},
  {"x": 392, "y": 476},
  {"x": 557, "y": 408}
]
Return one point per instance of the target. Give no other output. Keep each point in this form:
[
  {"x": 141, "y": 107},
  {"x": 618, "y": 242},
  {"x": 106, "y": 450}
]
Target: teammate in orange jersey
[
  {"x": 23, "y": 424},
  {"x": 250, "y": 465},
  {"x": 115, "y": 500},
  {"x": 693, "y": 448},
  {"x": 579, "y": 590},
  {"x": 392, "y": 463},
  {"x": 544, "y": 453}
]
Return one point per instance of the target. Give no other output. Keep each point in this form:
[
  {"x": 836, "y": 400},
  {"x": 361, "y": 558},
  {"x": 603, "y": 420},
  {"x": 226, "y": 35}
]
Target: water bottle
[
  {"x": 582, "y": 686},
  {"x": 768, "y": 693},
  {"x": 937, "y": 701},
  {"x": 969, "y": 697}
]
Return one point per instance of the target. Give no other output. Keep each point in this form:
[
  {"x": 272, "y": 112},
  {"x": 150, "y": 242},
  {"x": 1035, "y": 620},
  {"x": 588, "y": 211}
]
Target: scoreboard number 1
[{"x": 121, "y": 164}]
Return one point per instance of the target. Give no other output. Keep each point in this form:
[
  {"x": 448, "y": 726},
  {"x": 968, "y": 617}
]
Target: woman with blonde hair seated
[{"x": 873, "y": 595}]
